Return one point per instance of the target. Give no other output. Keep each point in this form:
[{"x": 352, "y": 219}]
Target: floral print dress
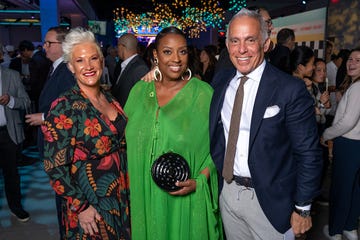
[{"x": 85, "y": 159}]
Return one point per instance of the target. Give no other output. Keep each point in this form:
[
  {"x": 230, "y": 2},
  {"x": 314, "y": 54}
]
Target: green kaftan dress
[{"x": 180, "y": 126}]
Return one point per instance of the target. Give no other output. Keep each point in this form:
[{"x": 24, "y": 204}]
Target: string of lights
[{"x": 191, "y": 19}]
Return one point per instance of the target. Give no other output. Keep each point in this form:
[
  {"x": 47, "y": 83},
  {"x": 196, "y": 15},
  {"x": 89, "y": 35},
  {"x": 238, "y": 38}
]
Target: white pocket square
[{"x": 271, "y": 111}]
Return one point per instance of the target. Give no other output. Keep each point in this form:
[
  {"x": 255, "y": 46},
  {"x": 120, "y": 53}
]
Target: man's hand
[
  {"x": 299, "y": 224},
  {"x": 34, "y": 119},
  {"x": 4, "y": 99}
]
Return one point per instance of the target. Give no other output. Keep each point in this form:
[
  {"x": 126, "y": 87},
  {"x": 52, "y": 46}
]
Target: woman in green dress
[{"x": 171, "y": 115}]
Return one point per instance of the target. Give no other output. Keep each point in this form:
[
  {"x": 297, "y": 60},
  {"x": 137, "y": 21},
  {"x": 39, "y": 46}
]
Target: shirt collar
[
  {"x": 255, "y": 74},
  {"x": 57, "y": 62},
  {"x": 126, "y": 61}
]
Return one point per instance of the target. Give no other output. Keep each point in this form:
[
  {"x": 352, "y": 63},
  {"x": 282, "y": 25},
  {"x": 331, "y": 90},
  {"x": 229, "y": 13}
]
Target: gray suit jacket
[{"x": 12, "y": 85}]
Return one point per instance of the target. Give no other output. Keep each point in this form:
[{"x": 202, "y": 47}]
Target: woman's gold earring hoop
[
  {"x": 157, "y": 74},
  {"x": 189, "y": 73}
]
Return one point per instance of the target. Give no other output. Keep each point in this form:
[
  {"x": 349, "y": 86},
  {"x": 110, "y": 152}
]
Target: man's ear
[{"x": 267, "y": 44}]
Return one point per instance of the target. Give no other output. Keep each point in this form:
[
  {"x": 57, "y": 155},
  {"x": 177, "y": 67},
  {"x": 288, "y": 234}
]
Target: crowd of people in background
[{"x": 260, "y": 126}]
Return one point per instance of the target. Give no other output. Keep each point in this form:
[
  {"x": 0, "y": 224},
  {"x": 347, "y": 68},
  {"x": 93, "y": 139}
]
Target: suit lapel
[
  {"x": 263, "y": 100},
  {"x": 225, "y": 81}
]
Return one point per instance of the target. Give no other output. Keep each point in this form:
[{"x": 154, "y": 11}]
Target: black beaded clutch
[{"x": 168, "y": 169}]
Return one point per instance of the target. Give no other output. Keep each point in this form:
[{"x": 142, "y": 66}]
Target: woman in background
[
  {"x": 345, "y": 180},
  {"x": 208, "y": 61},
  {"x": 322, "y": 108},
  {"x": 171, "y": 115},
  {"x": 84, "y": 152},
  {"x": 302, "y": 64}
]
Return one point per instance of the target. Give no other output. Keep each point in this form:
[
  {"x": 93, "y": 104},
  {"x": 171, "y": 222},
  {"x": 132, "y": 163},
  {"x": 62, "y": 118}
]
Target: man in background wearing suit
[
  {"x": 13, "y": 101},
  {"x": 33, "y": 67},
  {"x": 60, "y": 80},
  {"x": 133, "y": 67},
  {"x": 275, "y": 169}
]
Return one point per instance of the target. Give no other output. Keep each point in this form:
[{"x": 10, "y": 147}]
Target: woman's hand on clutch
[{"x": 187, "y": 187}]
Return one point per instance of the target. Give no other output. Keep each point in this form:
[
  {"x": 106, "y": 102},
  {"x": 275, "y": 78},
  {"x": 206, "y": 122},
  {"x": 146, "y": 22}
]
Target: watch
[{"x": 302, "y": 213}]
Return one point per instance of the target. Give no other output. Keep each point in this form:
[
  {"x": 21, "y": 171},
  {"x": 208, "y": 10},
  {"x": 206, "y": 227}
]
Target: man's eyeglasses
[{"x": 48, "y": 43}]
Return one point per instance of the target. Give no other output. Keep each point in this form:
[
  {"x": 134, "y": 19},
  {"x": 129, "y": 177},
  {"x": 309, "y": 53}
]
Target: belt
[
  {"x": 244, "y": 181},
  {"x": 2, "y": 128}
]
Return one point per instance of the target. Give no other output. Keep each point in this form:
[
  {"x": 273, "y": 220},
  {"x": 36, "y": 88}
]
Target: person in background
[
  {"x": 194, "y": 62},
  {"x": 341, "y": 71},
  {"x": 149, "y": 56},
  {"x": 171, "y": 115},
  {"x": 13, "y": 100},
  {"x": 344, "y": 210},
  {"x": 133, "y": 67},
  {"x": 322, "y": 107},
  {"x": 84, "y": 148},
  {"x": 320, "y": 92},
  {"x": 329, "y": 49},
  {"x": 331, "y": 71},
  {"x": 280, "y": 55},
  {"x": 9, "y": 54},
  {"x": 33, "y": 66},
  {"x": 110, "y": 62},
  {"x": 265, "y": 147},
  {"x": 208, "y": 61},
  {"x": 302, "y": 65}
]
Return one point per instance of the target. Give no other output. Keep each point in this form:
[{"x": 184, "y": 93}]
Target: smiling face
[
  {"x": 86, "y": 64},
  {"x": 245, "y": 44},
  {"x": 172, "y": 55},
  {"x": 320, "y": 72},
  {"x": 353, "y": 65}
]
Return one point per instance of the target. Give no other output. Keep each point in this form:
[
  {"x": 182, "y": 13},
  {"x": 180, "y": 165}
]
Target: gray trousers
[{"x": 242, "y": 215}]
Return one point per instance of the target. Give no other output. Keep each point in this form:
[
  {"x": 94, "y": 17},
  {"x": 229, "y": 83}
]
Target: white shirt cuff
[{"x": 307, "y": 207}]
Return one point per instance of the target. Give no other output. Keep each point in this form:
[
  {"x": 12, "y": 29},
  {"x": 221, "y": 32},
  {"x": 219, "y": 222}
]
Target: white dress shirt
[{"x": 241, "y": 166}]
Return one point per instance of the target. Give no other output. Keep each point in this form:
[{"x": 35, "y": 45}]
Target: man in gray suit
[
  {"x": 13, "y": 100},
  {"x": 133, "y": 67}
]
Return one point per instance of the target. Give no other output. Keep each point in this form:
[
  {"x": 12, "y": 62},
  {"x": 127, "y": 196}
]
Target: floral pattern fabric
[{"x": 86, "y": 161}]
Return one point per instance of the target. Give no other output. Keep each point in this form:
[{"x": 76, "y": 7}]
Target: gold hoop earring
[
  {"x": 189, "y": 73},
  {"x": 157, "y": 74}
]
